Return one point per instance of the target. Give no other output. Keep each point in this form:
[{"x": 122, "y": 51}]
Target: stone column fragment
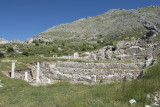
[
  {"x": 26, "y": 76},
  {"x": 37, "y": 72},
  {"x": 93, "y": 79},
  {"x": 13, "y": 69}
]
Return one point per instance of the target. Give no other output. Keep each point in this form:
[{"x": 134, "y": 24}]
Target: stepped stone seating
[{"x": 82, "y": 72}]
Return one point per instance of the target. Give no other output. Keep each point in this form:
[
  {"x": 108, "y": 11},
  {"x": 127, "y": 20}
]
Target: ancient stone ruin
[
  {"x": 105, "y": 65},
  {"x": 80, "y": 72}
]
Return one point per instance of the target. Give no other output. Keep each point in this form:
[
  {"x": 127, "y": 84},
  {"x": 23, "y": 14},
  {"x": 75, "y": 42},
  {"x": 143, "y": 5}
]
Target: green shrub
[
  {"x": 99, "y": 42},
  {"x": 54, "y": 50},
  {"x": 37, "y": 44},
  {"x": 1, "y": 55},
  {"x": 63, "y": 44},
  {"x": 10, "y": 49},
  {"x": 25, "y": 53}
]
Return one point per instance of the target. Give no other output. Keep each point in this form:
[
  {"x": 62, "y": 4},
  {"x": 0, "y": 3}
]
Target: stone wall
[
  {"x": 99, "y": 65},
  {"x": 81, "y": 72}
]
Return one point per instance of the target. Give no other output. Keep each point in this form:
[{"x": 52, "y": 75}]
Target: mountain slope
[{"x": 110, "y": 25}]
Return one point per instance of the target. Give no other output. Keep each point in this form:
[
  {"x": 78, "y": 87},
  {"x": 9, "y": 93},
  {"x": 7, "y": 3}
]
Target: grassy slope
[
  {"x": 19, "y": 93},
  {"x": 50, "y": 49}
]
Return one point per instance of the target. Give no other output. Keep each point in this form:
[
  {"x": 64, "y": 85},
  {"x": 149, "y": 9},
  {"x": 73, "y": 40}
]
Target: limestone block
[
  {"x": 123, "y": 56},
  {"x": 132, "y": 101},
  {"x": 148, "y": 106},
  {"x": 135, "y": 50},
  {"x": 93, "y": 79},
  {"x": 149, "y": 62}
]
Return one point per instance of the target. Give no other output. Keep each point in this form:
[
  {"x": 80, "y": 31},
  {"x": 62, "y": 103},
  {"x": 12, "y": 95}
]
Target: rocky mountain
[{"x": 115, "y": 23}]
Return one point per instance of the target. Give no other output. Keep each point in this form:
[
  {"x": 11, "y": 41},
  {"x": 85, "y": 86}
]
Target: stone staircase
[
  {"x": 103, "y": 72},
  {"x": 83, "y": 72}
]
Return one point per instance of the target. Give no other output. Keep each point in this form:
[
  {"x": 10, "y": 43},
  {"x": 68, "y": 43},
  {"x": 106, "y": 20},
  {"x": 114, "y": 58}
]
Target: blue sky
[{"x": 22, "y": 19}]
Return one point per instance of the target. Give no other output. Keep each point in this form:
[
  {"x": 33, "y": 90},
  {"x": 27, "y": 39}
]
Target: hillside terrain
[
  {"x": 88, "y": 34},
  {"x": 115, "y": 23}
]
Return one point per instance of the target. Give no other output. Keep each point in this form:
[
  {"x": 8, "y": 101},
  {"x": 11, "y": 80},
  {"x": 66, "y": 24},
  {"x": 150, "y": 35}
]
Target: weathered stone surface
[
  {"x": 21, "y": 75},
  {"x": 156, "y": 99},
  {"x": 135, "y": 50},
  {"x": 28, "y": 40},
  {"x": 80, "y": 72},
  {"x": 99, "y": 65},
  {"x": 1, "y": 84},
  {"x": 149, "y": 62},
  {"x": 26, "y": 76},
  {"x": 3, "y": 41},
  {"x": 132, "y": 101},
  {"x": 40, "y": 39},
  {"x": 146, "y": 23},
  {"x": 36, "y": 39},
  {"x": 148, "y": 106},
  {"x": 17, "y": 41},
  {"x": 12, "y": 69}
]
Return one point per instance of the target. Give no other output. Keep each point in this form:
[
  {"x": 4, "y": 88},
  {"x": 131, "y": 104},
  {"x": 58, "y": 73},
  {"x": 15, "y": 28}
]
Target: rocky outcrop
[
  {"x": 36, "y": 39},
  {"x": 149, "y": 62},
  {"x": 28, "y": 40},
  {"x": 17, "y": 41},
  {"x": 3, "y": 41},
  {"x": 113, "y": 24},
  {"x": 147, "y": 24}
]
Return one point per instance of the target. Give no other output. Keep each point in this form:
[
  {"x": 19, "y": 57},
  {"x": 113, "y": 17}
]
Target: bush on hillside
[
  {"x": 25, "y": 53},
  {"x": 37, "y": 44},
  {"x": 1, "y": 55},
  {"x": 10, "y": 49}
]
